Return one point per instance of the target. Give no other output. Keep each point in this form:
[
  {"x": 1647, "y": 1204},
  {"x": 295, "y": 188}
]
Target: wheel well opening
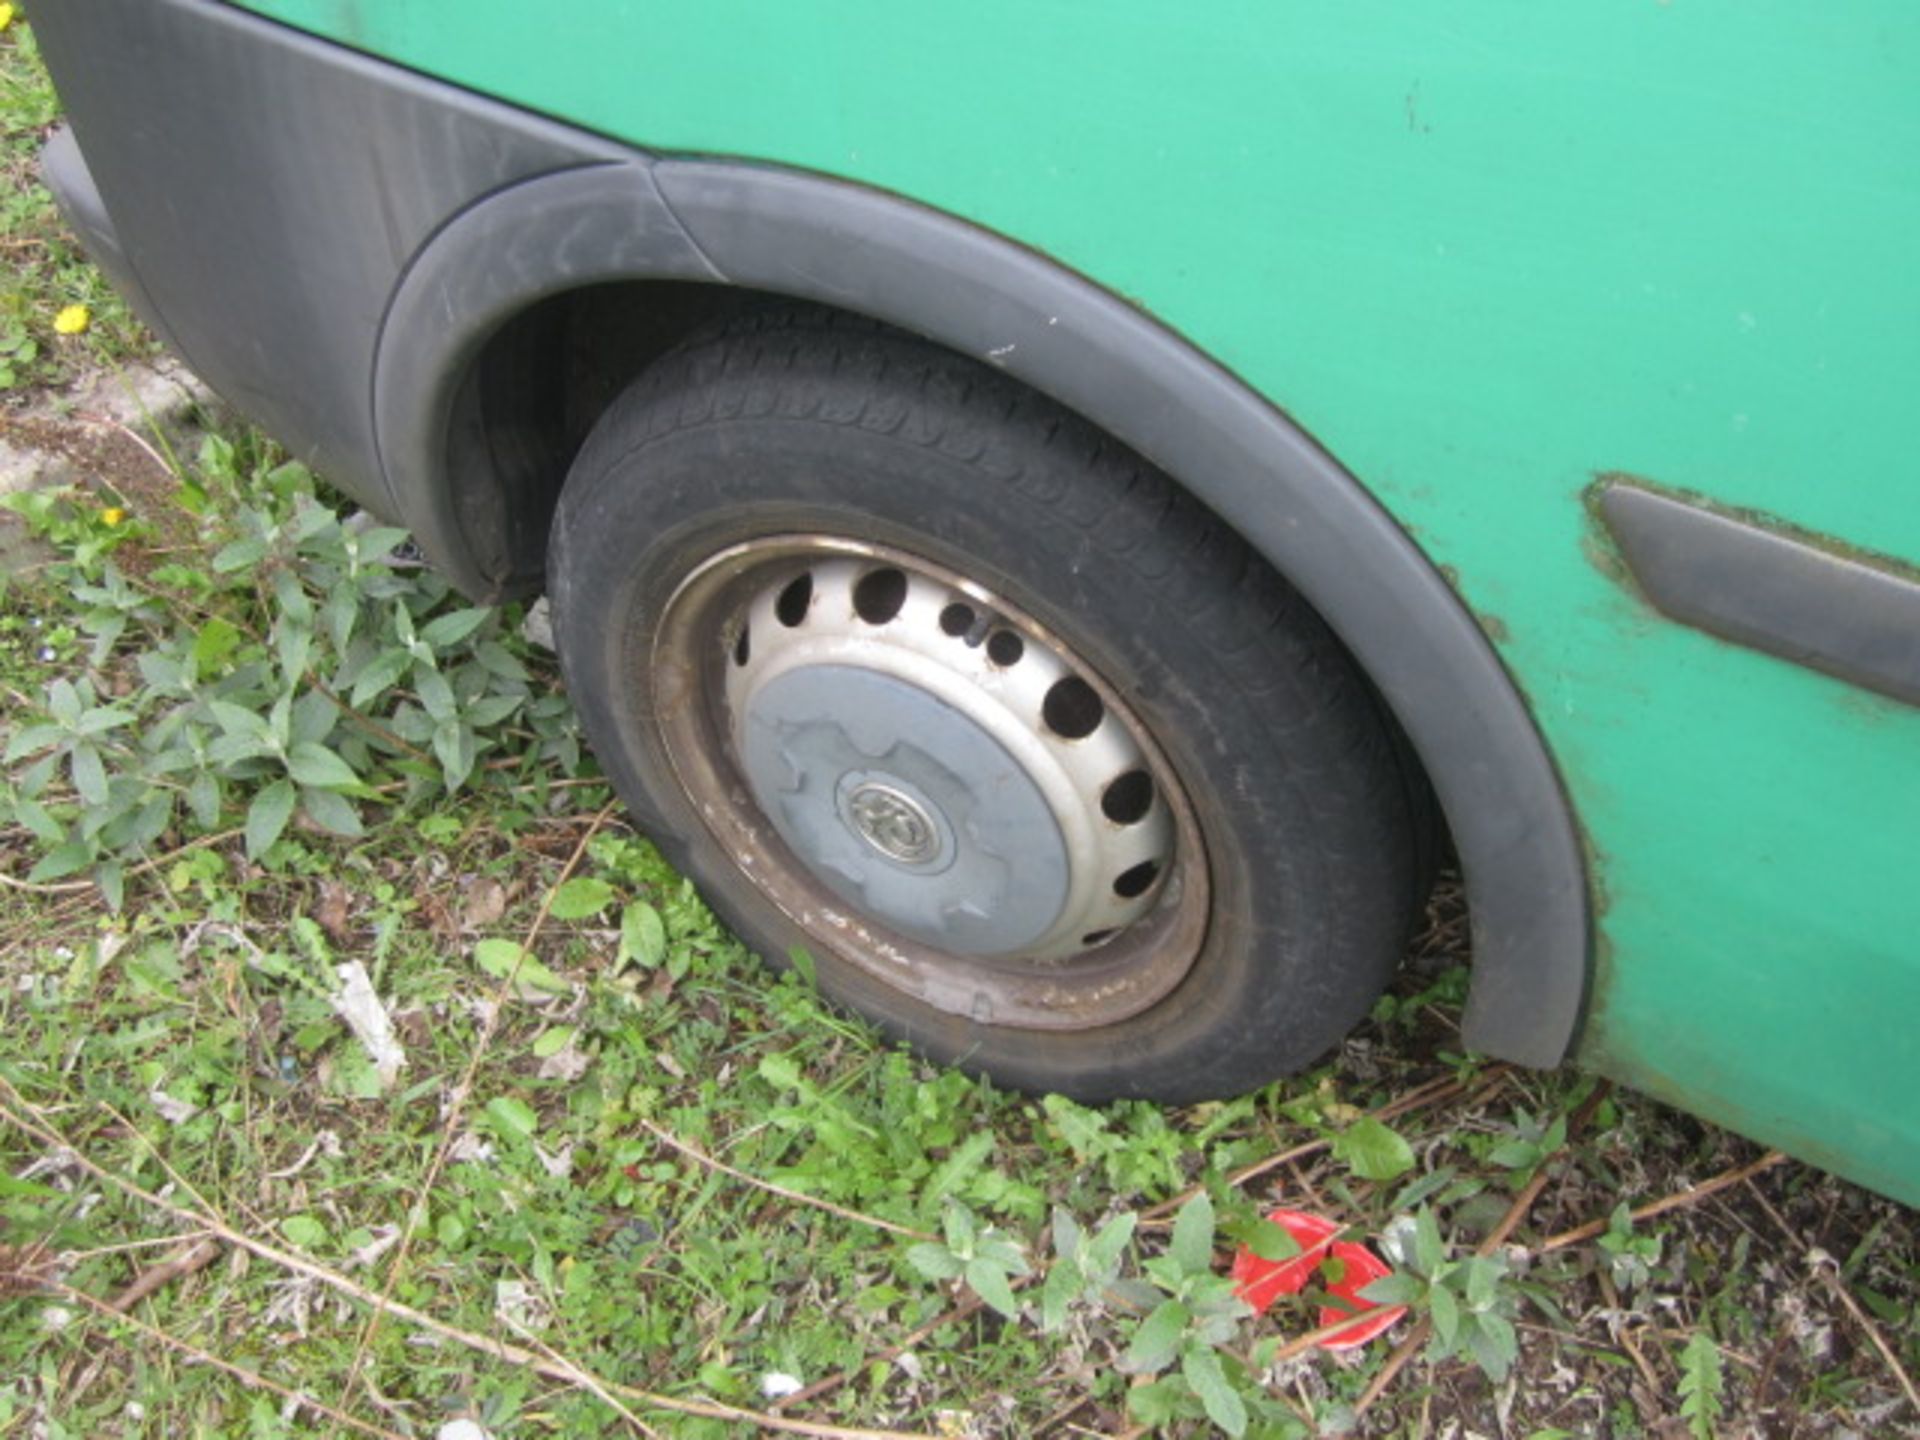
[{"x": 529, "y": 397}]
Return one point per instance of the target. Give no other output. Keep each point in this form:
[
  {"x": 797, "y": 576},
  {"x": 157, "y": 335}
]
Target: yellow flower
[
  {"x": 112, "y": 515},
  {"x": 73, "y": 320},
  {"x": 6, "y": 16}
]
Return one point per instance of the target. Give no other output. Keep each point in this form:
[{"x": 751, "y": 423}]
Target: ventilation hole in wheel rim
[
  {"x": 879, "y": 594},
  {"x": 791, "y": 607},
  {"x": 1098, "y": 937},
  {"x": 957, "y": 620},
  {"x": 1005, "y": 648},
  {"x": 1072, "y": 709},
  {"x": 1134, "y": 883},
  {"x": 743, "y": 647},
  {"x": 1127, "y": 800}
]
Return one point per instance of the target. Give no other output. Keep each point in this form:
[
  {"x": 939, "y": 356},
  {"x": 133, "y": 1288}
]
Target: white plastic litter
[
  {"x": 355, "y": 1003},
  {"x": 174, "y": 1112}
]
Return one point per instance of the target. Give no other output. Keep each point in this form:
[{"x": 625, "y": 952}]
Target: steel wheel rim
[{"x": 763, "y": 713}]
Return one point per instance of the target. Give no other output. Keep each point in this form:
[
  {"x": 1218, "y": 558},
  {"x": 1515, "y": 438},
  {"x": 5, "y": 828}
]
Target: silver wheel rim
[{"x": 929, "y": 783}]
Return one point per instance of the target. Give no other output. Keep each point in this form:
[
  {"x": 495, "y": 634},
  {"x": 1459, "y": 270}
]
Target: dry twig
[
  {"x": 26, "y": 1267},
  {"x": 457, "y": 1101},
  {"x": 583, "y": 1380},
  {"x": 1417, "y": 1098},
  {"x": 169, "y": 472},
  {"x": 160, "y": 1159},
  {"x": 93, "y": 1252},
  {"x": 39, "y": 1128},
  {"x": 1828, "y": 1270},
  {"x": 185, "y": 1262},
  {"x": 1509, "y": 1222},
  {"x": 250, "y": 1378},
  {"x": 76, "y": 887},
  {"x": 1676, "y": 1201},
  {"x": 672, "y": 1141},
  {"x": 888, "y": 1356}
]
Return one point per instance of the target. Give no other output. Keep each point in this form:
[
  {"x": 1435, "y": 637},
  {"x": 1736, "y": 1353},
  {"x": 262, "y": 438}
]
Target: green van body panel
[{"x": 1483, "y": 253}]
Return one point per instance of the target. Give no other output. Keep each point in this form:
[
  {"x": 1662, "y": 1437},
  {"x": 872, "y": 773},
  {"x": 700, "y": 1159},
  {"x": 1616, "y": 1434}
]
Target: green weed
[{"x": 298, "y": 673}]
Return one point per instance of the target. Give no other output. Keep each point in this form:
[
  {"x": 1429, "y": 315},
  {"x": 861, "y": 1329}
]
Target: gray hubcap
[
  {"x": 961, "y": 808},
  {"x": 1011, "y": 856}
]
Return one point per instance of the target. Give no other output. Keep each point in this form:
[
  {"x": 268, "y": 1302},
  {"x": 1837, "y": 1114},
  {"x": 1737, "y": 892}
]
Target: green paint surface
[{"x": 1482, "y": 252}]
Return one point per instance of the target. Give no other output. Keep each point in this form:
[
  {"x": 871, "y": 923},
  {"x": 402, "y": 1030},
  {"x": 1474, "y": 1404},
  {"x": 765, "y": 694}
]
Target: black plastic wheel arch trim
[
  {"x": 64, "y": 172},
  {"x": 380, "y": 225},
  {"x": 1768, "y": 588},
  {"x": 819, "y": 239},
  {"x": 599, "y": 223},
  {"x": 263, "y": 190}
]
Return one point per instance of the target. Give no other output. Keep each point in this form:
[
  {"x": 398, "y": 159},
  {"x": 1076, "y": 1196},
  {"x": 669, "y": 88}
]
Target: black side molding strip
[{"x": 1770, "y": 589}]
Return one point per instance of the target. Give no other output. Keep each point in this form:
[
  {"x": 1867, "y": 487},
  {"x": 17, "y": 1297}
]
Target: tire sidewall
[{"x": 1300, "y": 937}]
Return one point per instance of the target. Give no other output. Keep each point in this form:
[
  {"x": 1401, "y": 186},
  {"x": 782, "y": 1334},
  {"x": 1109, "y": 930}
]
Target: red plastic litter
[{"x": 1261, "y": 1282}]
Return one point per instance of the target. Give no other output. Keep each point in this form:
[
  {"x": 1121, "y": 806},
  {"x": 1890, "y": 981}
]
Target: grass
[{"x": 629, "y": 1181}]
